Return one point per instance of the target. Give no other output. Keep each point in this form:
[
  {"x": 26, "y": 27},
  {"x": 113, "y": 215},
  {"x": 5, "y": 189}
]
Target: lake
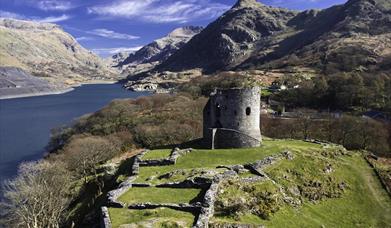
[{"x": 25, "y": 123}]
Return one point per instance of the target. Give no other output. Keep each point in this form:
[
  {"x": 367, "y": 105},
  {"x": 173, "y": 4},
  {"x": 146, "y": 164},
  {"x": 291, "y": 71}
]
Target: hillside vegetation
[
  {"x": 320, "y": 185},
  {"x": 95, "y": 154}
]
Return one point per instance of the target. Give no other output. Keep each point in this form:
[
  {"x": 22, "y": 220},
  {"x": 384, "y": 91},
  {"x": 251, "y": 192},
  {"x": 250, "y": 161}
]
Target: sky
[{"x": 108, "y": 27}]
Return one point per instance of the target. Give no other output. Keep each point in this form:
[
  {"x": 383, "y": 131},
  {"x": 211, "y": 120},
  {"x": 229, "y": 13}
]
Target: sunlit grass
[
  {"x": 156, "y": 154},
  {"x": 159, "y": 195},
  {"x": 150, "y": 218}
]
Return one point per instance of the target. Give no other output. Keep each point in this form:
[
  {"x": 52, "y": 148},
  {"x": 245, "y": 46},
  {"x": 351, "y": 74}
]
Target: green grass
[
  {"x": 159, "y": 195},
  {"x": 363, "y": 204},
  {"x": 156, "y": 154},
  {"x": 150, "y": 218},
  {"x": 183, "y": 174},
  {"x": 213, "y": 158}
]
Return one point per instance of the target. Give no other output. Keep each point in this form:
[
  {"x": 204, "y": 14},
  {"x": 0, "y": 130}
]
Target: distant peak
[{"x": 246, "y": 3}]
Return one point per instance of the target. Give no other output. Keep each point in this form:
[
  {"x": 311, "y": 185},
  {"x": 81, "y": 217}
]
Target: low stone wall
[
  {"x": 163, "y": 162},
  {"x": 257, "y": 166},
  {"x": 382, "y": 181},
  {"x": 193, "y": 208},
  {"x": 202, "y": 183},
  {"x": 171, "y": 160},
  {"x": 176, "y": 153},
  {"x": 124, "y": 186},
  {"x": 128, "y": 183},
  {"x": 205, "y": 209},
  {"x": 105, "y": 221}
]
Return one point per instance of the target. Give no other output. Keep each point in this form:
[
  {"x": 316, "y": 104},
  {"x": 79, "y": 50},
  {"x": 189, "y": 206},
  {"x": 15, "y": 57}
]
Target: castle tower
[{"x": 232, "y": 118}]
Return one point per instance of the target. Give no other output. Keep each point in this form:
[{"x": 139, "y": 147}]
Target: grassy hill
[{"x": 317, "y": 185}]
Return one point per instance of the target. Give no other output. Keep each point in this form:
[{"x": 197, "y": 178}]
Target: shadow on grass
[{"x": 85, "y": 208}]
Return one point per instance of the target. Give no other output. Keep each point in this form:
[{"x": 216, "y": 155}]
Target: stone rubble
[
  {"x": 113, "y": 195},
  {"x": 204, "y": 209}
]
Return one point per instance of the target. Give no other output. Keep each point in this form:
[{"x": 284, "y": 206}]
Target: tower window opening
[
  {"x": 248, "y": 111},
  {"x": 218, "y": 110}
]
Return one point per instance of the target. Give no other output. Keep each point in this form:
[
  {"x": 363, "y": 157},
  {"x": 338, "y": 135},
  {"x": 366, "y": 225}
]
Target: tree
[
  {"x": 38, "y": 196},
  {"x": 84, "y": 153},
  {"x": 320, "y": 92},
  {"x": 304, "y": 122}
]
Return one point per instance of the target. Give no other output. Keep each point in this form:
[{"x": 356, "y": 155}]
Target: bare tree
[
  {"x": 84, "y": 154},
  {"x": 38, "y": 196}
]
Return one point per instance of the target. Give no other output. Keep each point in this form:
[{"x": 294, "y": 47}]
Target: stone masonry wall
[{"x": 235, "y": 109}]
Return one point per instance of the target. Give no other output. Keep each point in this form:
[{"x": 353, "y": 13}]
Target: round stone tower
[{"x": 232, "y": 118}]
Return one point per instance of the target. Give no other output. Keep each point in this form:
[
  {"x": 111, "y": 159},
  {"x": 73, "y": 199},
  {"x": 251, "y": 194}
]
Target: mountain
[
  {"x": 117, "y": 59},
  {"x": 346, "y": 38},
  {"x": 231, "y": 38},
  {"x": 350, "y": 37},
  {"x": 157, "y": 51},
  {"x": 45, "y": 51}
]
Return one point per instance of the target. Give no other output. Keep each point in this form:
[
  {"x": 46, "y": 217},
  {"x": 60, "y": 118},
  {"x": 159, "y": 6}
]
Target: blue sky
[{"x": 107, "y": 27}]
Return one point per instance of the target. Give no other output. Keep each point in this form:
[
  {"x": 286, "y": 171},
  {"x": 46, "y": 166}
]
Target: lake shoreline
[
  {"x": 56, "y": 92},
  {"x": 26, "y": 124}
]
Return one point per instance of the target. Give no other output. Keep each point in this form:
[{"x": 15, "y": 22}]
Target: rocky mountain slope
[
  {"x": 117, "y": 59},
  {"x": 349, "y": 37},
  {"x": 157, "y": 51},
  {"x": 15, "y": 82},
  {"x": 45, "y": 51}
]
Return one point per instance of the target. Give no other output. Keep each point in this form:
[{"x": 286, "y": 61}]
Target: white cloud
[
  {"x": 6, "y": 14},
  {"x": 112, "y": 51},
  {"x": 53, "y": 19},
  {"x": 54, "y": 5},
  {"x": 112, "y": 35},
  {"x": 161, "y": 11},
  {"x": 84, "y": 38}
]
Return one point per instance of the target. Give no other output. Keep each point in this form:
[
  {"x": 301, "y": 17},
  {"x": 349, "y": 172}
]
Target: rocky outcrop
[
  {"x": 46, "y": 52},
  {"x": 230, "y": 39},
  {"x": 345, "y": 38},
  {"x": 115, "y": 60}
]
